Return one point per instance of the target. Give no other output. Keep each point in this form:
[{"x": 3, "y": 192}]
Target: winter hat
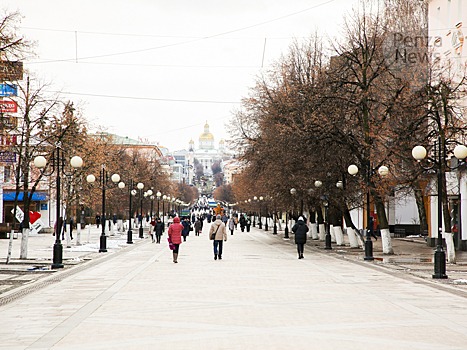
[
  {"x": 301, "y": 218},
  {"x": 176, "y": 220},
  {"x": 218, "y": 217}
]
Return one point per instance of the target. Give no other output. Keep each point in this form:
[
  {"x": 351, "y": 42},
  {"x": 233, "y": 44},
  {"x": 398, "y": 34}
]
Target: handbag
[
  {"x": 213, "y": 235},
  {"x": 171, "y": 245}
]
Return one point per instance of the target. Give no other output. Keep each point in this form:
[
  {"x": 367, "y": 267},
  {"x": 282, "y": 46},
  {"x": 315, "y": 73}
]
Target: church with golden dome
[{"x": 206, "y": 153}]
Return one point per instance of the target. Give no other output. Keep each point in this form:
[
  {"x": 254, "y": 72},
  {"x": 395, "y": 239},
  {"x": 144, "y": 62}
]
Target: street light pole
[
  {"x": 58, "y": 167},
  {"x": 254, "y": 213},
  {"x": 140, "y": 187},
  {"x": 158, "y": 195},
  {"x": 260, "y": 224},
  {"x": 328, "y": 240},
  {"x": 104, "y": 180},
  {"x": 419, "y": 153}
]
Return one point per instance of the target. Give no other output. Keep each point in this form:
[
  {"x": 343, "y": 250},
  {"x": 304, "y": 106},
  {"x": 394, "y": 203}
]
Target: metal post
[
  {"x": 266, "y": 222},
  {"x": 130, "y": 233},
  {"x": 274, "y": 230},
  {"x": 368, "y": 242},
  {"x": 141, "y": 232},
  {"x": 260, "y": 224},
  {"x": 440, "y": 255},
  {"x": 328, "y": 244},
  {"x": 57, "y": 261},
  {"x": 286, "y": 230},
  {"x": 103, "y": 238}
]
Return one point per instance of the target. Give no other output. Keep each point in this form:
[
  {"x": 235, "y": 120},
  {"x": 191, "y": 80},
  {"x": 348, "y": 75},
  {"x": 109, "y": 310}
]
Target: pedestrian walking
[
  {"x": 186, "y": 228},
  {"x": 71, "y": 227},
  {"x": 98, "y": 220},
  {"x": 300, "y": 229},
  {"x": 231, "y": 224},
  {"x": 218, "y": 235},
  {"x": 175, "y": 236},
  {"x": 248, "y": 224},
  {"x": 242, "y": 222},
  {"x": 198, "y": 226},
  {"x": 159, "y": 230}
]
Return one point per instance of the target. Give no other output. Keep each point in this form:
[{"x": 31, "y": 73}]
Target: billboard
[
  {"x": 8, "y": 90},
  {"x": 8, "y": 106},
  {"x": 11, "y": 70},
  {"x": 7, "y": 157}
]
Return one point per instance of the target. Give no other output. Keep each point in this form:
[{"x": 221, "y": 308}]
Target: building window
[{"x": 6, "y": 174}]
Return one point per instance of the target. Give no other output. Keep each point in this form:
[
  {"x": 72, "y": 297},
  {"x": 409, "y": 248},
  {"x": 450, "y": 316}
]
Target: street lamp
[
  {"x": 383, "y": 171},
  {"x": 420, "y": 153},
  {"x": 328, "y": 239},
  {"x": 164, "y": 198},
  {"x": 140, "y": 187},
  {"x": 58, "y": 165},
  {"x": 254, "y": 213},
  {"x": 293, "y": 192},
  {"x": 103, "y": 181},
  {"x": 158, "y": 195},
  {"x": 121, "y": 185},
  {"x": 266, "y": 227},
  {"x": 260, "y": 224}
]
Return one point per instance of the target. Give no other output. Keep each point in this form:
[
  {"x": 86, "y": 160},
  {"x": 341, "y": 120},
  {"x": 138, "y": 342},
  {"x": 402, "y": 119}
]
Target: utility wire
[
  {"x": 144, "y": 98},
  {"x": 202, "y": 38}
]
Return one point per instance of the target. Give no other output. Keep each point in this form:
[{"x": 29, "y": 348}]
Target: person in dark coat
[
  {"x": 300, "y": 229},
  {"x": 198, "y": 226},
  {"x": 159, "y": 230},
  {"x": 186, "y": 228},
  {"x": 242, "y": 223}
]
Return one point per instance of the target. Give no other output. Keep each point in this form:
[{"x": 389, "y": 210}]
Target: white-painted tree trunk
[
  {"x": 386, "y": 241},
  {"x": 89, "y": 234},
  {"x": 24, "y": 244},
  {"x": 339, "y": 235},
  {"x": 451, "y": 251},
  {"x": 353, "y": 240},
  {"x": 78, "y": 234},
  {"x": 322, "y": 232},
  {"x": 67, "y": 236},
  {"x": 314, "y": 231},
  {"x": 120, "y": 225},
  {"x": 279, "y": 225},
  {"x": 333, "y": 234}
]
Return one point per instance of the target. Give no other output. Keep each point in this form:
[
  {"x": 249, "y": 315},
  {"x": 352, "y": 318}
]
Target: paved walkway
[{"x": 260, "y": 296}]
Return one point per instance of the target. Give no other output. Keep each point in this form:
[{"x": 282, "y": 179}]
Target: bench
[{"x": 399, "y": 233}]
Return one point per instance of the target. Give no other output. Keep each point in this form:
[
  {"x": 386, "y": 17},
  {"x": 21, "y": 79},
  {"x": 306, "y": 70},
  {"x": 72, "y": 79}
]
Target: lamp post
[
  {"x": 121, "y": 185},
  {"x": 140, "y": 187},
  {"x": 151, "y": 197},
  {"x": 164, "y": 198},
  {"x": 254, "y": 213},
  {"x": 58, "y": 166},
  {"x": 266, "y": 227},
  {"x": 260, "y": 224},
  {"x": 104, "y": 181},
  {"x": 420, "y": 153},
  {"x": 325, "y": 200},
  {"x": 383, "y": 171},
  {"x": 158, "y": 195}
]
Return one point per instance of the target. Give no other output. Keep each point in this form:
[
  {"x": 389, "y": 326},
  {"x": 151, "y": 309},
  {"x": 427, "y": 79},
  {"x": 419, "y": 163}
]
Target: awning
[{"x": 36, "y": 197}]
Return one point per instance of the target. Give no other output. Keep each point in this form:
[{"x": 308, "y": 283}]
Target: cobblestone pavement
[{"x": 260, "y": 296}]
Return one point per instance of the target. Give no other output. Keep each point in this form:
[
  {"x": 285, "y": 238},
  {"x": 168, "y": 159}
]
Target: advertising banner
[
  {"x": 8, "y": 106},
  {"x": 8, "y": 90}
]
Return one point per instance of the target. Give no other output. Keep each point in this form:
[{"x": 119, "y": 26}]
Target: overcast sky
[{"x": 158, "y": 69}]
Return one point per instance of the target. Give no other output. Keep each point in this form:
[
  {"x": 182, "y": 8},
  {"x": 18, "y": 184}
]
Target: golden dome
[{"x": 206, "y": 135}]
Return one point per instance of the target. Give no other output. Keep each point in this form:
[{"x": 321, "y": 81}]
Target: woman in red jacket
[{"x": 175, "y": 235}]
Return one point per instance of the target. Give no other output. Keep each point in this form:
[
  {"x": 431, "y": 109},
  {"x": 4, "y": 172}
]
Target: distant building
[{"x": 206, "y": 154}]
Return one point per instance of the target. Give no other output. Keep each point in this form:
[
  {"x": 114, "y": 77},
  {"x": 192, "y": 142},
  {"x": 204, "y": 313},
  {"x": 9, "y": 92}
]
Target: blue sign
[
  {"x": 8, "y": 90},
  {"x": 43, "y": 206}
]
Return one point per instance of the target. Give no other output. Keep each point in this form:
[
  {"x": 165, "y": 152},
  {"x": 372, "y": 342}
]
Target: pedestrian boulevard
[{"x": 260, "y": 296}]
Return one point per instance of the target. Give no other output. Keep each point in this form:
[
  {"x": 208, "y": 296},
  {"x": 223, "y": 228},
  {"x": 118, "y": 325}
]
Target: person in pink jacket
[{"x": 175, "y": 235}]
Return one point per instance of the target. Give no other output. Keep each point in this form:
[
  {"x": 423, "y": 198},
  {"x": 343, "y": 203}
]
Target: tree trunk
[
  {"x": 418, "y": 193},
  {"x": 354, "y": 236},
  {"x": 383, "y": 225}
]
